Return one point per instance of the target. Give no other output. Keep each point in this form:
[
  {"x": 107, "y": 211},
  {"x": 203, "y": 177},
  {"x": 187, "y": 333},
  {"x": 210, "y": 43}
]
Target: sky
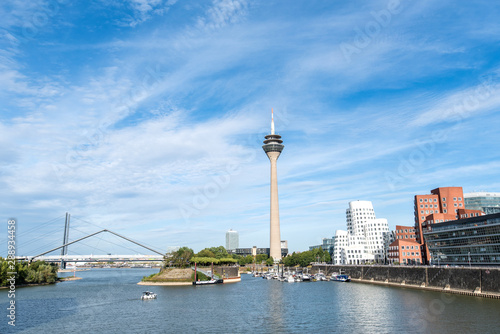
[{"x": 146, "y": 117}]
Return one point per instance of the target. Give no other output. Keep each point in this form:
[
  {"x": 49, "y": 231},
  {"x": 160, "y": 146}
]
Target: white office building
[
  {"x": 365, "y": 240},
  {"x": 232, "y": 240}
]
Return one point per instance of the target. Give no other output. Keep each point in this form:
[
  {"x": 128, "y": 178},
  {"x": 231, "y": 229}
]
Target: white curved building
[{"x": 365, "y": 238}]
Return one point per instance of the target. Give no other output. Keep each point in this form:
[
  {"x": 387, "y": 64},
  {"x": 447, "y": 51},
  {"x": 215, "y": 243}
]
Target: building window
[
  {"x": 444, "y": 210},
  {"x": 420, "y": 200},
  {"x": 455, "y": 204},
  {"x": 454, "y": 198},
  {"x": 444, "y": 205},
  {"x": 444, "y": 199},
  {"x": 425, "y": 200}
]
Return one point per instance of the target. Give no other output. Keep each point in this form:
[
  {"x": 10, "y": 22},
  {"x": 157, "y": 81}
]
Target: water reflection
[{"x": 108, "y": 302}]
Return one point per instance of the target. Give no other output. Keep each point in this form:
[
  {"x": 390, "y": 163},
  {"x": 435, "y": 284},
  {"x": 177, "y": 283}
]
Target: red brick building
[
  {"x": 443, "y": 204},
  {"x": 404, "y": 249}
]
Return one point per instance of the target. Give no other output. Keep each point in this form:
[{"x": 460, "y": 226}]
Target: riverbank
[
  {"x": 423, "y": 287},
  {"x": 71, "y": 278},
  {"x": 479, "y": 282},
  {"x": 165, "y": 283},
  {"x": 71, "y": 270}
]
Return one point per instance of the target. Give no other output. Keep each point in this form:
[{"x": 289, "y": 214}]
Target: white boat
[
  {"x": 148, "y": 295},
  {"x": 320, "y": 277},
  {"x": 290, "y": 279},
  {"x": 340, "y": 277}
]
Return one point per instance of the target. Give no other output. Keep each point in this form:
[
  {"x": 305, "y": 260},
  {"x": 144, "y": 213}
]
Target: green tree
[
  {"x": 304, "y": 259},
  {"x": 181, "y": 257},
  {"x": 269, "y": 261},
  {"x": 37, "y": 272},
  {"x": 219, "y": 252},
  {"x": 261, "y": 258},
  {"x": 205, "y": 253},
  {"x": 246, "y": 260}
]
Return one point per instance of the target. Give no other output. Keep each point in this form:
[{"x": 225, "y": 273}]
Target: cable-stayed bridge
[
  {"x": 101, "y": 258},
  {"x": 33, "y": 235}
]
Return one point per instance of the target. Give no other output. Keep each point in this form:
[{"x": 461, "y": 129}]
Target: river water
[{"x": 107, "y": 301}]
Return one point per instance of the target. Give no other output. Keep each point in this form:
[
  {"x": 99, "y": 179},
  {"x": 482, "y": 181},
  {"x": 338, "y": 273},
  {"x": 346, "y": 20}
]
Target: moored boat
[
  {"x": 340, "y": 277},
  {"x": 212, "y": 281},
  {"x": 320, "y": 277}
]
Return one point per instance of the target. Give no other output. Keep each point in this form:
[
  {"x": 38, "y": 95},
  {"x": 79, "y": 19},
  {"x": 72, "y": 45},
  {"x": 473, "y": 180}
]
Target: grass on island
[{"x": 175, "y": 275}]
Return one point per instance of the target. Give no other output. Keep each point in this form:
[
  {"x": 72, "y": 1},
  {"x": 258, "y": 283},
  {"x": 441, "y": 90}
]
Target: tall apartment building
[
  {"x": 365, "y": 238},
  {"x": 441, "y": 205},
  {"x": 232, "y": 240}
]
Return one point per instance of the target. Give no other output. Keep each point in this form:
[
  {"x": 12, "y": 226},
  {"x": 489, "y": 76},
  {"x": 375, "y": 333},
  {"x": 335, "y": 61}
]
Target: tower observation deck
[{"x": 273, "y": 145}]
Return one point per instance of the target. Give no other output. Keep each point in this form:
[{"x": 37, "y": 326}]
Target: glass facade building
[
  {"x": 488, "y": 202},
  {"x": 470, "y": 241},
  {"x": 327, "y": 245}
]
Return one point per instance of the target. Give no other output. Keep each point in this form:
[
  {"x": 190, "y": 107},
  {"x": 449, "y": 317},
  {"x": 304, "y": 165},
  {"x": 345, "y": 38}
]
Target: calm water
[{"x": 107, "y": 301}]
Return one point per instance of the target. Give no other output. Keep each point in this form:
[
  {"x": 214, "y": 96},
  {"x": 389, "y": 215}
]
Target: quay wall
[
  {"x": 474, "y": 280},
  {"x": 226, "y": 271}
]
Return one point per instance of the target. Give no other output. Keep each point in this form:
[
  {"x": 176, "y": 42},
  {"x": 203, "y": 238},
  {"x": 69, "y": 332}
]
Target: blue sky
[{"x": 147, "y": 116}]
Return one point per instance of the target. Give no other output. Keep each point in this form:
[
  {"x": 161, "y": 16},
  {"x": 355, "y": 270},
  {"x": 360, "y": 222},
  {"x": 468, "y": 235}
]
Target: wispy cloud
[{"x": 126, "y": 120}]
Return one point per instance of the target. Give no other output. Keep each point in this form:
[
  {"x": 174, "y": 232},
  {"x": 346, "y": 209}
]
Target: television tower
[{"x": 273, "y": 145}]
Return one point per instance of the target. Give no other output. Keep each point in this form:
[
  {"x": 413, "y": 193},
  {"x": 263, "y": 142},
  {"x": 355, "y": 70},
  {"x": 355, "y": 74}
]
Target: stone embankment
[{"x": 480, "y": 282}]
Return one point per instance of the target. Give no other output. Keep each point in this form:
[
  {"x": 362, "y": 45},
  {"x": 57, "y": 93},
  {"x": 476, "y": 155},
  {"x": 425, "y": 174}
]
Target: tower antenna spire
[{"x": 272, "y": 121}]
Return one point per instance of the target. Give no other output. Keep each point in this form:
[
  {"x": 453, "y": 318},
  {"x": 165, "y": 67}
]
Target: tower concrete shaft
[
  {"x": 275, "y": 236},
  {"x": 273, "y": 145}
]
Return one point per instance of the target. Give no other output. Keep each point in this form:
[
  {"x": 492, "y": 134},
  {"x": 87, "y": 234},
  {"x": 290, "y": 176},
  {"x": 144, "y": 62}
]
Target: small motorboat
[
  {"x": 148, "y": 295},
  {"x": 340, "y": 278}
]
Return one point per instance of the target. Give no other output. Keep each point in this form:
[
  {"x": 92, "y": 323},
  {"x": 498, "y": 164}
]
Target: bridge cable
[{"x": 151, "y": 246}]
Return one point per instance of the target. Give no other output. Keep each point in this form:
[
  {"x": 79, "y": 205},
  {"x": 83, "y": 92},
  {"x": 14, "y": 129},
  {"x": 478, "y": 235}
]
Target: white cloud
[
  {"x": 222, "y": 13},
  {"x": 462, "y": 104}
]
